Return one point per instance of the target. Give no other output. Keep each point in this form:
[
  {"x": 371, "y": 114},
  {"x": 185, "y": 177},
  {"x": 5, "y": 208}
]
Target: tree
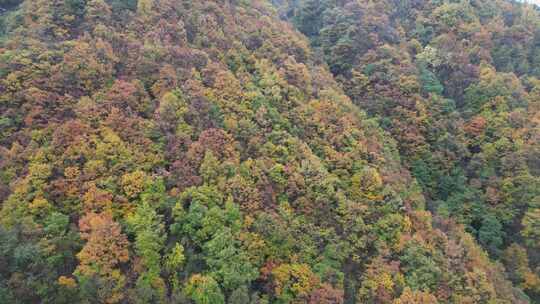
[
  {"x": 209, "y": 170},
  {"x": 204, "y": 290},
  {"x": 309, "y": 17},
  {"x": 293, "y": 282},
  {"x": 367, "y": 184},
  {"x": 326, "y": 294},
  {"x": 531, "y": 228},
  {"x": 239, "y": 296},
  {"x": 490, "y": 234},
  {"x": 421, "y": 269},
  {"x": 144, "y": 7},
  {"x": 175, "y": 259},
  {"x": 517, "y": 263},
  {"x": 98, "y": 11},
  {"x": 227, "y": 262},
  {"x": 172, "y": 110},
  {"x": 381, "y": 282},
  {"x": 133, "y": 183},
  {"x": 430, "y": 83},
  {"x": 105, "y": 249},
  {"x": 415, "y": 297},
  {"x": 149, "y": 238}
]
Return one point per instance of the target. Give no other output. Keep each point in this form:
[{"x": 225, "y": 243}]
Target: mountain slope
[
  {"x": 199, "y": 152},
  {"x": 456, "y": 84}
]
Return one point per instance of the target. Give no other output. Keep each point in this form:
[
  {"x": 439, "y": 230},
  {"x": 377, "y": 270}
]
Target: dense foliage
[
  {"x": 178, "y": 151},
  {"x": 456, "y": 84}
]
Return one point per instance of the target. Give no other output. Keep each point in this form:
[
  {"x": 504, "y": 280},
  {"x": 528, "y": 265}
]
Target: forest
[{"x": 269, "y": 151}]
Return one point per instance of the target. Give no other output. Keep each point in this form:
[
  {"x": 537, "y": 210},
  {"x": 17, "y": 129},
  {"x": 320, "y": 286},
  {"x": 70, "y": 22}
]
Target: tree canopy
[{"x": 284, "y": 151}]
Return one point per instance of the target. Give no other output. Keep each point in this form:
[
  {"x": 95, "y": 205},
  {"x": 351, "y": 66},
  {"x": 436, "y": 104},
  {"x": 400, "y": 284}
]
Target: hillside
[
  {"x": 207, "y": 152},
  {"x": 456, "y": 84}
]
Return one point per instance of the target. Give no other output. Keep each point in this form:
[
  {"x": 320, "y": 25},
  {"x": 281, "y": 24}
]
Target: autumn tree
[{"x": 105, "y": 250}]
